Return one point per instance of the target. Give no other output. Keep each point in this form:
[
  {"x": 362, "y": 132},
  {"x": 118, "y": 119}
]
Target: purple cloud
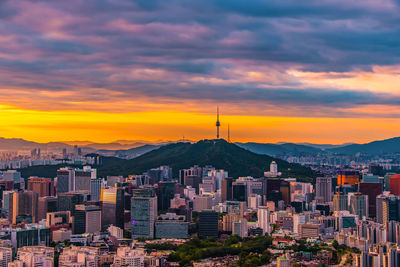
[{"x": 203, "y": 50}]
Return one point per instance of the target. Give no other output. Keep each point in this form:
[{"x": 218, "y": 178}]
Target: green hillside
[{"x": 218, "y": 153}]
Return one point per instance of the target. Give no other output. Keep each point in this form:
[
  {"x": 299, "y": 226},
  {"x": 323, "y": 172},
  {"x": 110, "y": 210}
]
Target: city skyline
[
  {"x": 278, "y": 70},
  {"x": 199, "y": 133}
]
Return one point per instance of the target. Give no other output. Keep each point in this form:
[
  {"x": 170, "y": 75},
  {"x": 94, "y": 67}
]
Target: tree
[
  {"x": 233, "y": 239},
  {"x": 335, "y": 244}
]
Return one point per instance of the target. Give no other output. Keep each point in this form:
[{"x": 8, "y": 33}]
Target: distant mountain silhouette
[
  {"x": 324, "y": 146},
  {"x": 129, "y": 149},
  {"x": 391, "y": 145},
  {"x": 128, "y": 153},
  {"x": 280, "y": 149}
]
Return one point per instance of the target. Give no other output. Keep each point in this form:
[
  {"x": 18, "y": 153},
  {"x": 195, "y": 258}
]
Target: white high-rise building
[
  {"x": 263, "y": 219},
  {"x": 273, "y": 170},
  {"x": 273, "y": 167}
]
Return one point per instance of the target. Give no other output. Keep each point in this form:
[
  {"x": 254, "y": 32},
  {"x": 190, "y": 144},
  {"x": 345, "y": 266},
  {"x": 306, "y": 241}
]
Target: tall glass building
[
  {"x": 143, "y": 212},
  {"x": 112, "y": 207}
]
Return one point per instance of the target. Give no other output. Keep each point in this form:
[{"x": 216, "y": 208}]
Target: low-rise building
[
  {"x": 171, "y": 225},
  {"x": 127, "y": 257}
]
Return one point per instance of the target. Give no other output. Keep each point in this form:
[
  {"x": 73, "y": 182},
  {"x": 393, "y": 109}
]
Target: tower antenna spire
[
  {"x": 218, "y": 123},
  {"x": 229, "y": 134}
]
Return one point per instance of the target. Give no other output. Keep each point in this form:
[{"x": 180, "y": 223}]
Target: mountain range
[
  {"x": 381, "y": 147},
  {"x": 280, "y": 149},
  {"x": 129, "y": 149}
]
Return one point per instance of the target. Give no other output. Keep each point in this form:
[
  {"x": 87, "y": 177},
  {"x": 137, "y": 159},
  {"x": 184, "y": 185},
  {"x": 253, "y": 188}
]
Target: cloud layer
[{"x": 331, "y": 58}]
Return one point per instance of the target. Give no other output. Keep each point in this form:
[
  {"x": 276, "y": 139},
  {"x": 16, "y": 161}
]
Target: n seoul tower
[{"x": 218, "y": 123}]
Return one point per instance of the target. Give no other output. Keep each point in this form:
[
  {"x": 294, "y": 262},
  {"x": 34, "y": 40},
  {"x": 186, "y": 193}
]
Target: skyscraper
[
  {"x": 162, "y": 173},
  {"x": 192, "y": 171},
  {"x": 65, "y": 179},
  {"x": 24, "y": 207},
  {"x": 359, "y": 205},
  {"x": 87, "y": 219},
  {"x": 284, "y": 188},
  {"x": 226, "y": 189},
  {"x": 239, "y": 191},
  {"x": 69, "y": 179},
  {"x": 219, "y": 175},
  {"x": 165, "y": 192},
  {"x": 112, "y": 207},
  {"x": 45, "y": 205},
  {"x": 83, "y": 177},
  {"x": 394, "y": 184},
  {"x": 323, "y": 189},
  {"x": 193, "y": 181},
  {"x": 263, "y": 219},
  {"x": 387, "y": 208},
  {"x": 42, "y": 186},
  {"x": 340, "y": 202},
  {"x": 372, "y": 190},
  {"x": 95, "y": 189},
  {"x": 143, "y": 212},
  {"x": 208, "y": 223},
  {"x": 68, "y": 201}
]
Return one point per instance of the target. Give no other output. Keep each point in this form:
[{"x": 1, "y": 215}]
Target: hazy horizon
[{"x": 158, "y": 141}]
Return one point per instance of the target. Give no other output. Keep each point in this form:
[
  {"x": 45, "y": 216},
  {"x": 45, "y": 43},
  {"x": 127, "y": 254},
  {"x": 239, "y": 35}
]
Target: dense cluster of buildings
[
  {"x": 37, "y": 157},
  {"x": 98, "y": 219}
]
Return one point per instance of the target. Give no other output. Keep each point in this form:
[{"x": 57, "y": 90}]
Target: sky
[{"x": 279, "y": 70}]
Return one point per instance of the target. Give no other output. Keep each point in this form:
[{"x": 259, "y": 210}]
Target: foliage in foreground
[{"x": 251, "y": 251}]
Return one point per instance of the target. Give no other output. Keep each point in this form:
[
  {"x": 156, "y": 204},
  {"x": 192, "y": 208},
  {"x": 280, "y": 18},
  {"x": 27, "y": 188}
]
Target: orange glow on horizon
[{"x": 45, "y": 126}]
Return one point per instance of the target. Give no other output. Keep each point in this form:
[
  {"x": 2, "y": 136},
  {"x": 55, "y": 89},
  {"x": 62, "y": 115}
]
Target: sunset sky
[{"x": 280, "y": 70}]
